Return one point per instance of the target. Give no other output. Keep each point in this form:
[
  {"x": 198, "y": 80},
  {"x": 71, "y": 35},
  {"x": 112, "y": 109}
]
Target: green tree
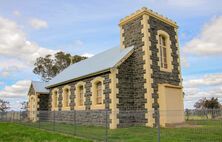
[
  {"x": 24, "y": 106},
  {"x": 200, "y": 103},
  {"x": 50, "y": 65},
  {"x": 204, "y": 103},
  {"x": 4, "y": 105},
  {"x": 210, "y": 105}
]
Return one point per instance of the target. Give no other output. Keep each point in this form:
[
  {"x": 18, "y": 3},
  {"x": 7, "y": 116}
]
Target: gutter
[{"x": 78, "y": 78}]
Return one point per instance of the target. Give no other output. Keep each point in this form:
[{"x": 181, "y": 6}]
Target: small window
[
  {"x": 163, "y": 51},
  {"x": 66, "y": 98},
  {"x": 97, "y": 97},
  {"x": 81, "y": 96},
  {"x": 99, "y": 93},
  {"x": 55, "y": 99}
]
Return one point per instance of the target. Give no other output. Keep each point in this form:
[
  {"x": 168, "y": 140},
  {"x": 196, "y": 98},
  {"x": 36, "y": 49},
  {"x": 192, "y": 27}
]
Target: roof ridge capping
[{"x": 145, "y": 10}]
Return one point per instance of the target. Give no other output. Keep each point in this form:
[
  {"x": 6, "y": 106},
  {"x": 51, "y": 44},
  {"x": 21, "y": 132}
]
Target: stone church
[{"x": 143, "y": 74}]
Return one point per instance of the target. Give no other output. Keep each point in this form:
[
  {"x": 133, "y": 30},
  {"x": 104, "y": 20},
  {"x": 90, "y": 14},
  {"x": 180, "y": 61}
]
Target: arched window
[
  {"x": 32, "y": 103},
  {"x": 66, "y": 98},
  {"x": 33, "y": 107},
  {"x": 80, "y": 96},
  {"x": 164, "y": 48},
  {"x": 66, "y": 95},
  {"x": 55, "y": 99},
  {"x": 99, "y": 93},
  {"x": 97, "y": 97},
  {"x": 163, "y": 51}
]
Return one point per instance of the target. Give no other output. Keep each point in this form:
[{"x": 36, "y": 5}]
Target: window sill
[
  {"x": 55, "y": 109},
  {"x": 65, "y": 108},
  {"x": 79, "y": 108},
  {"x": 166, "y": 70},
  {"x": 102, "y": 106}
]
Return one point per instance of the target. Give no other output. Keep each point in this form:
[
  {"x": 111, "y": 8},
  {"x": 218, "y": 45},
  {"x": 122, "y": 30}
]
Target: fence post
[
  {"x": 74, "y": 121},
  {"x": 13, "y": 116},
  {"x": 7, "y": 119},
  {"x": 54, "y": 120},
  {"x": 158, "y": 125},
  {"x": 20, "y": 116},
  {"x": 39, "y": 118},
  {"x": 106, "y": 117}
]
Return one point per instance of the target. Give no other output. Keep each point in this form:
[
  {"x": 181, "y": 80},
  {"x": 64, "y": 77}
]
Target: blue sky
[{"x": 31, "y": 28}]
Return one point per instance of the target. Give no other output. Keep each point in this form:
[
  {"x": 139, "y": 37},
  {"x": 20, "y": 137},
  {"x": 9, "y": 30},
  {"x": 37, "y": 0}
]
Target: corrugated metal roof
[
  {"x": 40, "y": 87},
  {"x": 97, "y": 63}
]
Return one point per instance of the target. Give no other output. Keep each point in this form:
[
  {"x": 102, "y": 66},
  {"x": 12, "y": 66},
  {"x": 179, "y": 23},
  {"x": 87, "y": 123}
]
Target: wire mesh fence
[{"x": 169, "y": 126}]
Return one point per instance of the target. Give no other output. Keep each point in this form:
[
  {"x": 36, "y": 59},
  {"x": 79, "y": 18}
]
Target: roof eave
[
  {"x": 79, "y": 78},
  {"x": 124, "y": 58},
  {"x": 42, "y": 92},
  {"x": 95, "y": 73}
]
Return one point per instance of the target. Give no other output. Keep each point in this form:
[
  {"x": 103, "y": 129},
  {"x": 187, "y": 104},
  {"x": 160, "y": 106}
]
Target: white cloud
[
  {"x": 17, "y": 13},
  {"x": 78, "y": 43},
  {"x": 209, "y": 85},
  {"x": 38, "y": 23},
  {"x": 186, "y": 3},
  {"x": 17, "y": 90},
  {"x": 15, "y": 104},
  {"x": 6, "y": 62},
  {"x": 14, "y": 44},
  {"x": 2, "y": 83},
  {"x": 10, "y": 67},
  {"x": 208, "y": 42},
  {"x": 5, "y": 72},
  {"x": 87, "y": 55},
  {"x": 206, "y": 80}
]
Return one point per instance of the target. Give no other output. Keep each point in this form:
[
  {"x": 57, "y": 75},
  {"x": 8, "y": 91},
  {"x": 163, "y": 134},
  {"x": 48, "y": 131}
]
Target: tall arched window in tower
[
  {"x": 163, "y": 51},
  {"x": 164, "y": 48}
]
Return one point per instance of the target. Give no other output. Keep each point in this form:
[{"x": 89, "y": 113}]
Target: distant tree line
[
  {"x": 209, "y": 108},
  {"x": 4, "y": 105},
  {"x": 205, "y": 103}
]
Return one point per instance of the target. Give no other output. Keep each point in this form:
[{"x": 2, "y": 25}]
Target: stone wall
[
  {"x": 131, "y": 72},
  {"x": 87, "y": 116},
  {"x": 159, "y": 76},
  {"x": 131, "y": 81},
  {"x": 31, "y": 90}
]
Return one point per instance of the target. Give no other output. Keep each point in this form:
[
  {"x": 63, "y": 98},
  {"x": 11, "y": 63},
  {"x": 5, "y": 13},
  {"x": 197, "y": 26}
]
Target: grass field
[
  {"x": 193, "y": 131},
  {"x": 198, "y": 131},
  {"x": 10, "y": 132}
]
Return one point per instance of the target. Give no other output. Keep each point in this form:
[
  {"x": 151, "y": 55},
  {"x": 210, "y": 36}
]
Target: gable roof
[
  {"x": 99, "y": 63},
  {"x": 39, "y": 87}
]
